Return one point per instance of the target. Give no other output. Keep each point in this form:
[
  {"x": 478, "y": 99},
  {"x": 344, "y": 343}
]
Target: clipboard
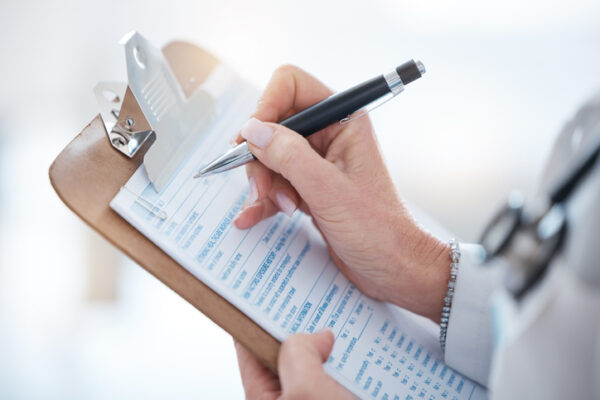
[{"x": 89, "y": 172}]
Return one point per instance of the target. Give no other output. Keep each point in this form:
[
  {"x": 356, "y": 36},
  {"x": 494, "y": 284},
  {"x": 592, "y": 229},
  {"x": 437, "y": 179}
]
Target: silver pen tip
[
  {"x": 239, "y": 155},
  {"x": 204, "y": 172}
]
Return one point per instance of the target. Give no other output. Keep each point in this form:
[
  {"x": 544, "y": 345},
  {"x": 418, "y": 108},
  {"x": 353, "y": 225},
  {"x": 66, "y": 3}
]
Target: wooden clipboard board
[{"x": 89, "y": 172}]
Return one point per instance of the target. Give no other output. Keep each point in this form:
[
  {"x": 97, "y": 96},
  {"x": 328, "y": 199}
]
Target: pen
[{"x": 322, "y": 114}]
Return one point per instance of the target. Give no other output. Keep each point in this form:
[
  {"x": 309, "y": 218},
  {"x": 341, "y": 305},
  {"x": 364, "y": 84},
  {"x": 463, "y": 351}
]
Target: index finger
[{"x": 290, "y": 90}]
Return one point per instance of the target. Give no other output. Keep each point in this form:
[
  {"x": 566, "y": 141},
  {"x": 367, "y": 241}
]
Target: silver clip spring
[{"x": 147, "y": 204}]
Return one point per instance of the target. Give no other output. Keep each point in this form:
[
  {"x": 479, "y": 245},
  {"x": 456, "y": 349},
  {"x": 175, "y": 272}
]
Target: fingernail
[
  {"x": 246, "y": 206},
  {"x": 325, "y": 332},
  {"x": 252, "y": 191},
  {"x": 237, "y": 218},
  {"x": 285, "y": 204},
  {"x": 257, "y": 133}
]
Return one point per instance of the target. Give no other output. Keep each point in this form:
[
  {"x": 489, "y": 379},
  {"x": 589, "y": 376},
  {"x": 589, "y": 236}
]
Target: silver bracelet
[{"x": 455, "y": 259}]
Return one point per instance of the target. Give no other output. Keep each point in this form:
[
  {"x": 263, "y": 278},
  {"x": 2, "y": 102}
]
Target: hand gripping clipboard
[{"x": 88, "y": 173}]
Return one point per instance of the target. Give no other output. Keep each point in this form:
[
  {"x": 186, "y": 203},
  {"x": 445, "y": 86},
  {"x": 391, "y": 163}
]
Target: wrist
[{"x": 421, "y": 280}]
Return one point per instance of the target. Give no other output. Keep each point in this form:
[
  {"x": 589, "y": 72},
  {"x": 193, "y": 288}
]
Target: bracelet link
[{"x": 454, "y": 261}]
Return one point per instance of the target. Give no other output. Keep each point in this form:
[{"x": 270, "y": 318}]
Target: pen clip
[{"x": 361, "y": 114}]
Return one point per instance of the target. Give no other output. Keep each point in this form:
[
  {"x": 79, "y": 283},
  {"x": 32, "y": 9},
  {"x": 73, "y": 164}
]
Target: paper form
[{"x": 280, "y": 274}]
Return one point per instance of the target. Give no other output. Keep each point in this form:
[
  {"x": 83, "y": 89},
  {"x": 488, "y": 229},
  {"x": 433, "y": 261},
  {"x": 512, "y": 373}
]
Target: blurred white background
[{"x": 77, "y": 320}]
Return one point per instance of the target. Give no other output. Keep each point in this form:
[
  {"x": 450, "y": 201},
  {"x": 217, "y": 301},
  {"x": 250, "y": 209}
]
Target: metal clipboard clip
[
  {"x": 154, "y": 106},
  {"x": 125, "y": 124}
]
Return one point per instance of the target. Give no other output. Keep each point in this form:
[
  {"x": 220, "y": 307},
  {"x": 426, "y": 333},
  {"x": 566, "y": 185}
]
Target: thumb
[
  {"x": 322, "y": 343},
  {"x": 301, "y": 359},
  {"x": 301, "y": 368},
  {"x": 289, "y": 154},
  {"x": 303, "y": 354}
]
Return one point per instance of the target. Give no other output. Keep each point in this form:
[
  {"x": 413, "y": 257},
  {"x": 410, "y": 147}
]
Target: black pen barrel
[
  {"x": 326, "y": 112},
  {"x": 337, "y": 107},
  {"x": 341, "y": 105}
]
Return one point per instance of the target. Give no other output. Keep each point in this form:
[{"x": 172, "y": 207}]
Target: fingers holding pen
[
  {"x": 260, "y": 179},
  {"x": 254, "y": 213},
  {"x": 290, "y": 155},
  {"x": 289, "y": 90},
  {"x": 268, "y": 193},
  {"x": 273, "y": 182},
  {"x": 284, "y": 195}
]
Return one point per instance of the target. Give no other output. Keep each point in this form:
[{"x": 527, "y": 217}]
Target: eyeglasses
[{"x": 530, "y": 238}]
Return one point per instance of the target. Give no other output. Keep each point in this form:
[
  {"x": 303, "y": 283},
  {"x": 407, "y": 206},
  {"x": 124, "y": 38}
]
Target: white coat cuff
[{"x": 469, "y": 336}]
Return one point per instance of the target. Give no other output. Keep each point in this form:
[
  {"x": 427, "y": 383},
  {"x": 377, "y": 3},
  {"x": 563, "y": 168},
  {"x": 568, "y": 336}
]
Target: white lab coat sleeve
[{"x": 469, "y": 336}]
